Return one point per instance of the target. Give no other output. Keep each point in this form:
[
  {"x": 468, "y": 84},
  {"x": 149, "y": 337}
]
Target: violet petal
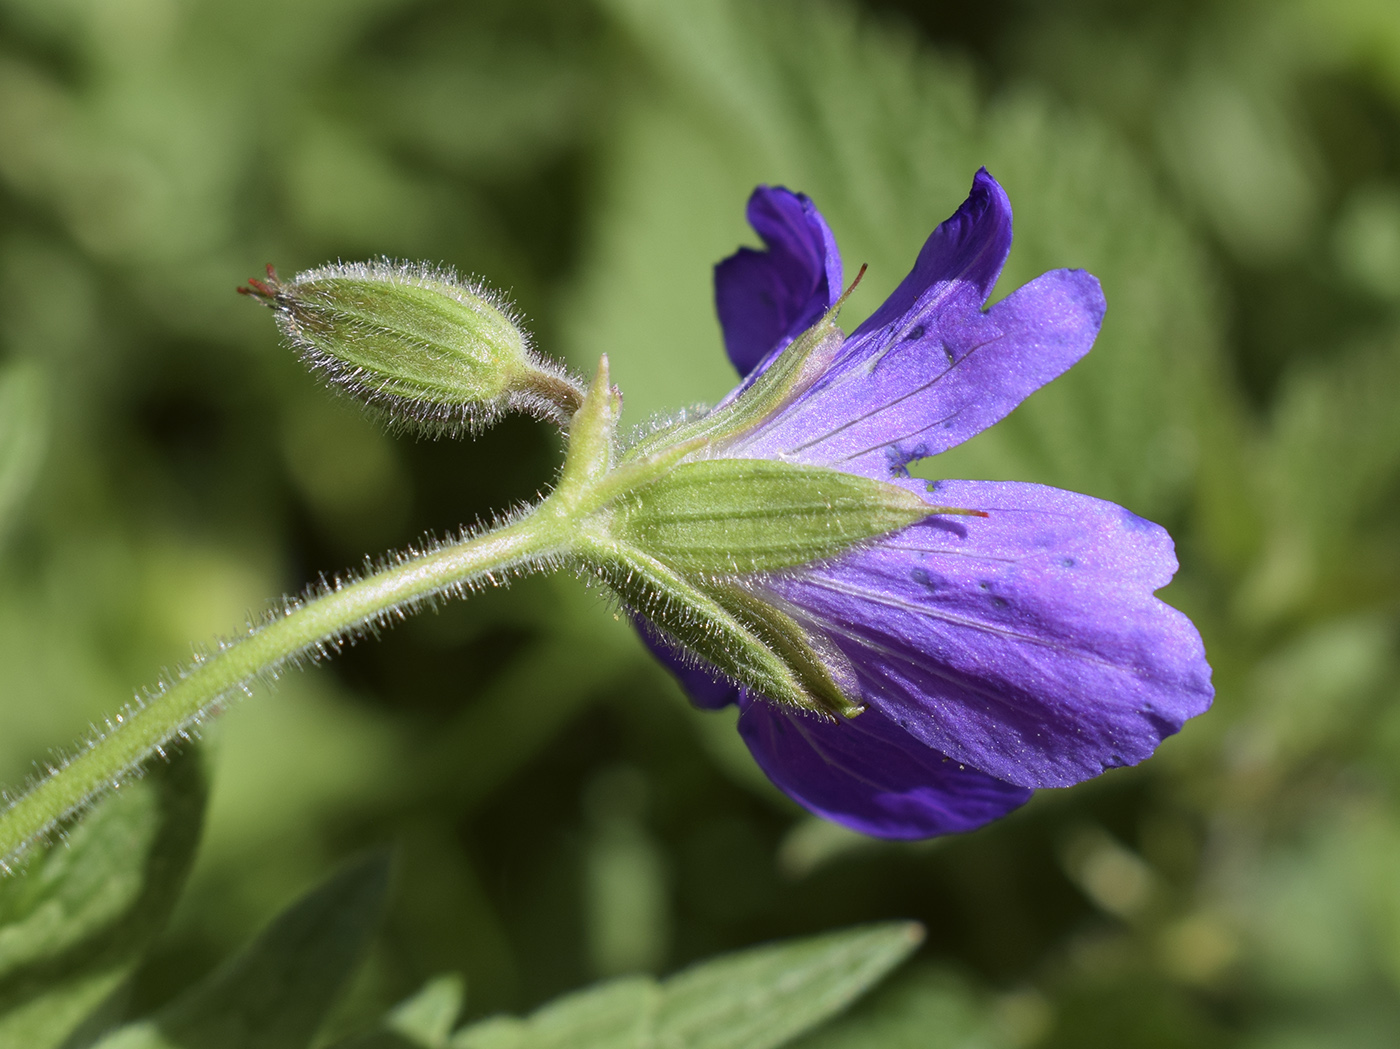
[
  {"x": 870, "y": 775},
  {"x": 1027, "y": 644},
  {"x": 966, "y": 251},
  {"x": 945, "y": 373},
  {"x": 765, "y": 299}
]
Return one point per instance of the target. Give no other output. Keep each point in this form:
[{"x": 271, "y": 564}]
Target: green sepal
[
  {"x": 592, "y": 433},
  {"x": 742, "y": 636},
  {"x": 734, "y": 516},
  {"x": 826, "y": 674},
  {"x": 693, "y": 618},
  {"x": 799, "y": 365}
]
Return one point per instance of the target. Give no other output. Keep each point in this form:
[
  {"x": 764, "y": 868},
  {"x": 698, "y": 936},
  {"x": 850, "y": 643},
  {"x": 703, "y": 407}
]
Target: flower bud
[{"x": 431, "y": 351}]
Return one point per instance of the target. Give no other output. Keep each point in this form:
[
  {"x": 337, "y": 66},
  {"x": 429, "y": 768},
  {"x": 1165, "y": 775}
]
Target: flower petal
[
  {"x": 870, "y": 775},
  {"x": 1027, "y": 644},
  {"x": 765, "y": 299},
  {"x": 962, "y": 257},
  {"x": 934, "y": 373}
]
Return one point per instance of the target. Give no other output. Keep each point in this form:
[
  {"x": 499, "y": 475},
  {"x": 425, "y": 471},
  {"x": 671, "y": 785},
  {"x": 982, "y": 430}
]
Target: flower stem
[
  {"x": 550, "y": 532},
  {"x": 305, "y": 630}
]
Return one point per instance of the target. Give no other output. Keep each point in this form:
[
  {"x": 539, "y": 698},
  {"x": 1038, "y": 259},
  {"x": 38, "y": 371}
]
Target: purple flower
[{"x": 994, "y": 654}]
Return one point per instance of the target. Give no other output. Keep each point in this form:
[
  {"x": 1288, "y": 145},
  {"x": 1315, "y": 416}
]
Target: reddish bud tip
[
  {"x": 264, "y": 291},
  {"x": 847, "y": 293}
]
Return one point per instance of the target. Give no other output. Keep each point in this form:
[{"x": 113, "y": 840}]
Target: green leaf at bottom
[
  {"x": 276, "y": 993},
  {"x": 755, "y": 999},
  {"x": 76, "y": 920}
]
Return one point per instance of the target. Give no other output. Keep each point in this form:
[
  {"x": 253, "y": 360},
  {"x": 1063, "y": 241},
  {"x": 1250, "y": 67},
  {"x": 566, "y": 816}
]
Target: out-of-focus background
[{"x": 1229, "y": 169}]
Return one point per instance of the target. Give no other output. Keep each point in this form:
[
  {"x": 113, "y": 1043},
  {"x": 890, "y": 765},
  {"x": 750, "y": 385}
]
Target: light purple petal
[
  {"x": 940, "y": 370},
  {"x": 1027, "y": 644},
  {"x": 870, "y": 775},
  {"x": 765, "y": 299}
]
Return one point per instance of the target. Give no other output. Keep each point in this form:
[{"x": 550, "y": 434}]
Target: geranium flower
[{"x": 993, "y": 654}]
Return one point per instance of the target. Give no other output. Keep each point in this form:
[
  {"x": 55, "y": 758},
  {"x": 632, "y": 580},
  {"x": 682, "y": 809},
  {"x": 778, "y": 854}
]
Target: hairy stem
[{"x": 138, "y": 734}]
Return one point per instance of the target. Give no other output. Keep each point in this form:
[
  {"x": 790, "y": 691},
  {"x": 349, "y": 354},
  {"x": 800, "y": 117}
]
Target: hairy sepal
[
  {"x": 719, "y": 622},
  {"x": 734, "y": 516},
  {"x": 792, "y": 373}
]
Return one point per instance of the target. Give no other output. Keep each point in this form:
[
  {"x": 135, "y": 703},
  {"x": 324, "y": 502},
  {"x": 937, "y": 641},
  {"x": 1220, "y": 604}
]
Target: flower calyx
[{"x": 686, "y": 541}]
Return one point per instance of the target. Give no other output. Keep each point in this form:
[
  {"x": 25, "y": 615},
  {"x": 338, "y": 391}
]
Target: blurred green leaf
[
  {"x": 1327, "y": 478},
  {"x": 489, "y": 740},
  {"x": 1309, "y": 696},
  {"x": 1336, "y": 438},
  {"x": 1238, "y": 154},
  {"x": 766, "y": 996},
  {"x": 79, "y": 915},
  {"x": 1366, "y": 240},
  {"x": 1364, "y": 33},
  {"x": 487, "y": 86},
  {"x": 614, "y": 1015},
  {"x": 754, "y": 999},
  {"x": 23, "y": 436},
  {"x": 277, "y": 992},
  {"x": 430, "y": 1015},
  {"x": 626, "y": 877},
  {"x": 382, "y": 1040},
  {"x": 929, "y": 1009},
  {"x": 1306, "y": 923},
  {"x": 424, "y": 1021}
]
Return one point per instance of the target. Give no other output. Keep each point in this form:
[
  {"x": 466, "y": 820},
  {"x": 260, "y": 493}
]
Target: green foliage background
[{"x": 1229, "y": 169}]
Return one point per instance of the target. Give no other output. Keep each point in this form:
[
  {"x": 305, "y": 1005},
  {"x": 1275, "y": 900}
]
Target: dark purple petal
[
  {"x": 1027, "y": 644},
  {"x": 963, "y": 257},
  {"x": 704, "y": 686},
  {"x": 870, "y": 775},
  {"x": 766, "y": 298}
]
